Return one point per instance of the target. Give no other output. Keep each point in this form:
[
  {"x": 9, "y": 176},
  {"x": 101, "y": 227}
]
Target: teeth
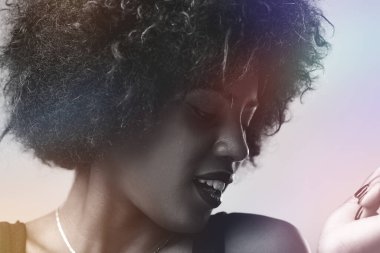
[{"x": 216, "y": 184}]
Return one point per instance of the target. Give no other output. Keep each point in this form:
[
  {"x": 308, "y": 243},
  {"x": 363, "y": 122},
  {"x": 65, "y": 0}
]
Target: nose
[{"x": 231, "y": 142}]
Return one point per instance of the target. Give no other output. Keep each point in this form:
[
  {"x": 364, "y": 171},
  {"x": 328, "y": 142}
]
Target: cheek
[
  {"x": 159, "y": 180},
  {"x": 180, "y": 140},
  {"x": 163, "y": 191},
  {"x": 181, "y": 150}
]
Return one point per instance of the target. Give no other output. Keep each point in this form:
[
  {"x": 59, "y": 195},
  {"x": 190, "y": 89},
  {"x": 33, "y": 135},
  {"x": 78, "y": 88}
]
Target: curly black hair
[{"x": 83, "y": 73}]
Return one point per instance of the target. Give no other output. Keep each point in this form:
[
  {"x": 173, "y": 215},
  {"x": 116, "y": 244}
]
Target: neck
[{"x": 97, "y": 218}]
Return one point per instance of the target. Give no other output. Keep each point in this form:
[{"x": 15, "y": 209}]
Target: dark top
[{"x": 210, "y": 240}]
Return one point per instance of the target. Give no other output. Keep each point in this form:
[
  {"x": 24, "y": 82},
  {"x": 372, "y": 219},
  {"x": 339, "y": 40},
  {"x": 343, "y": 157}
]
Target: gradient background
[{"x": 316, "y": 161}]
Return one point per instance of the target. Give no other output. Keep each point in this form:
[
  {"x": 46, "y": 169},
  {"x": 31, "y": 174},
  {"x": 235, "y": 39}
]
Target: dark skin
[{"x": 136, "y": 197}]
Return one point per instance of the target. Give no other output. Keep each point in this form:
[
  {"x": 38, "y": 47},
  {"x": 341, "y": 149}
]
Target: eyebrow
[{"x": 228, "y": 96}]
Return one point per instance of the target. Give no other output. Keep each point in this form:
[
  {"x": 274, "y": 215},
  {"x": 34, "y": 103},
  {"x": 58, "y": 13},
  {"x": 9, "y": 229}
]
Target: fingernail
[
  {"x": 362, "y": 191},
  {"x": 361, "y": 197},
  {"x": 359, "y": 213}
]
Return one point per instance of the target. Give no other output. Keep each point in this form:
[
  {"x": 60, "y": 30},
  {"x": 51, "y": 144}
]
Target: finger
[
  {"x": 344, "y": 214},
  {"x": 367, "y": 213},
  {"x": 372, "y": 180},
  {"x": 363, "y": 212},
  {"x": 359, "y": 194},
  {"x": 371, "y": 199},
  {"x": 349, "y": 210}
]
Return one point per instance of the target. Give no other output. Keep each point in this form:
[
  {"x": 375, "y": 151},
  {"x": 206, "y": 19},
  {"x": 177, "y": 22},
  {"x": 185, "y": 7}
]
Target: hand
[{"x": 355, "y": 226}]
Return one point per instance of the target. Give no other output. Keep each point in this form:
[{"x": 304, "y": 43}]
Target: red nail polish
[
  {"x": 360, "y": 198},
  {"x": 359, "y": 213},
  {"x": 362, "y": 191}
]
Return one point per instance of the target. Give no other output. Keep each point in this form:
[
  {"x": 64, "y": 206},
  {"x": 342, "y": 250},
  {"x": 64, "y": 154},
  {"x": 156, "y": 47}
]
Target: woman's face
[{"x": 177, "y": 177}]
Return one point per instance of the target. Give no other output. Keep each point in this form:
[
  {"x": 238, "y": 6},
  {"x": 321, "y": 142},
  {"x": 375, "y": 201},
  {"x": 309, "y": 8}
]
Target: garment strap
[
  {"x": 12, "y": 237},
  {"x": 211, "y": 239}
]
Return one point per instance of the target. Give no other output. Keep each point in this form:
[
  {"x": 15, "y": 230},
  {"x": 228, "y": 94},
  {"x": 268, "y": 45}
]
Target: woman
[{"x": 155, "y": 105}]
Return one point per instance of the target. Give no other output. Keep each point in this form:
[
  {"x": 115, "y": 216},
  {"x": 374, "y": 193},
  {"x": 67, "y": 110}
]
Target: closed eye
[{"x": 201, "y": 113}]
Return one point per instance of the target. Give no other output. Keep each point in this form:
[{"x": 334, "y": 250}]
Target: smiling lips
[{"x": 210, "y": 186}]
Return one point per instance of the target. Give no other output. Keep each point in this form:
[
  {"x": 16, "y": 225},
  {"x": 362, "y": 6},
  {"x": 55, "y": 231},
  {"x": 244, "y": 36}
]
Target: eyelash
[{"x": 200, "y": 113}]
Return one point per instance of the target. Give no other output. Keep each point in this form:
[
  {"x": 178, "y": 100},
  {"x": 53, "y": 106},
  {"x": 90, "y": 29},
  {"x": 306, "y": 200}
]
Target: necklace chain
[
  {"x": 63, "y": 235},
  {"x": 70, "y": 248}
]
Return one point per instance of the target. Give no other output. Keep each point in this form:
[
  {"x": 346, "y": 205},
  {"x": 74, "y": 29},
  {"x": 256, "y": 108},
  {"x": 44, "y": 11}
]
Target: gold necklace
[{"x": 70, "y": 248}]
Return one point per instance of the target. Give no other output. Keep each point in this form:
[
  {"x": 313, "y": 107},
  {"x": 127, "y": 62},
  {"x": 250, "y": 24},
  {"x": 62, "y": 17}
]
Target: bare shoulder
[
  {"x": 249, "y": 233},
  {"x": 41, "y": 235}
]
